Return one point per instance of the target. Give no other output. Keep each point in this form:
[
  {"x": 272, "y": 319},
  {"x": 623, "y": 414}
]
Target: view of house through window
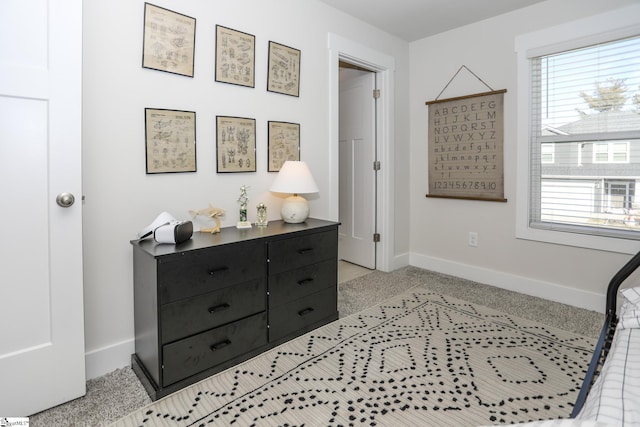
[{"x": 585, "y": 140}]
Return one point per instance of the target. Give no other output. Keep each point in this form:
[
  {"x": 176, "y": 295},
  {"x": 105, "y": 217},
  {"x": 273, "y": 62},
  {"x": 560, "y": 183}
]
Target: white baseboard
[
  {"x": 107, "y": 359},
  {"x": 400, "y": 261},
  {"x": 525, "y": 285}
]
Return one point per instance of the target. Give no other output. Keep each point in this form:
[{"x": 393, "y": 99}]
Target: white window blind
[{"x": 585, "y": 140}]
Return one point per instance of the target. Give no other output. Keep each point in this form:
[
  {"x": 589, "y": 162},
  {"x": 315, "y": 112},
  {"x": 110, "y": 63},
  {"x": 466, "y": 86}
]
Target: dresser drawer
[
  {"x": 301, "y": 313},
  {"x": 192, "y": 315},
  {"x": 288, "y": 254},
  {"x": 193, "y": 273},
  {"x": 294, "y": 284},
  {"x": 189, "y": 356}
]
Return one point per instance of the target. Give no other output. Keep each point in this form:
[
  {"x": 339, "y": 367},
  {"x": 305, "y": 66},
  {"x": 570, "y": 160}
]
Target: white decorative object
[
  {"x": 212, "y": 214},
  {"x": 166, "y": 229},
  {"x": 294, "y": 178}
]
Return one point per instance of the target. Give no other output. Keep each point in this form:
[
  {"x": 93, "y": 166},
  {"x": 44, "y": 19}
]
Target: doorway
[
  {"x": 357, "y": 157},
  {"x": 383, "y": 66}
]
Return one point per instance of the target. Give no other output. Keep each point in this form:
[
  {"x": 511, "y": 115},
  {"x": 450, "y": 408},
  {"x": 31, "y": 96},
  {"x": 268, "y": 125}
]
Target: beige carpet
[{"x": 420, "y": 358}]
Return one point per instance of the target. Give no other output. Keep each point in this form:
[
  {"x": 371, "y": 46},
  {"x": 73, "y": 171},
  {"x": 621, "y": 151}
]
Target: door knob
[{"x": 65, "y": 200}]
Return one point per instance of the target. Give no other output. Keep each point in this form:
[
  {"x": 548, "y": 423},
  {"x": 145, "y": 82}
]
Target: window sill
[{"x": 566, "y": 238}]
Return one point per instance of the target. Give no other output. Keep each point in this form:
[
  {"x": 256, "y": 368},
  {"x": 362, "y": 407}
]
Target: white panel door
[
  {"x": 357, "y": 209},
  {"x": 42, "y": 325}
]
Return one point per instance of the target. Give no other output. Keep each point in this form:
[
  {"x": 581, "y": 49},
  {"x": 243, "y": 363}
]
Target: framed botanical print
[
  {"x": 284, "y": 69},
  {"x": 284, "y": 144},
  {"x": 235, "y": 144},
  {"x": 168, "y": 41},
  {"x": 235, "y": 57},
  {"x": 170, "y": 140}
]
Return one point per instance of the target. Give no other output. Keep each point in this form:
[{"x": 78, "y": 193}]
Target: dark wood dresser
[{"x": 219, "y": 299}]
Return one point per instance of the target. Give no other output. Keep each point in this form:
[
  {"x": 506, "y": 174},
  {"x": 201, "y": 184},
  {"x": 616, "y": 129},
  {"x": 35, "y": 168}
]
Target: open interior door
[
  {"x": 357, "y": 199},
  {"x": 42, "y": 327}
]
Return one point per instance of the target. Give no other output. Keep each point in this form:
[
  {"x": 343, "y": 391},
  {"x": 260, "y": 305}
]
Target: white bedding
[{"x": 615, "y": 396}]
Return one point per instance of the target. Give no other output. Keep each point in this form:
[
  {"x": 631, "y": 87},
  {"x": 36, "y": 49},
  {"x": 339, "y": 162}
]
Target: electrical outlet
[{"x": 473, "y": 239}]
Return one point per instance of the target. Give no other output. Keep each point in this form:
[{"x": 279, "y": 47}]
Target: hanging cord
[{"x": 454, "y": 76}]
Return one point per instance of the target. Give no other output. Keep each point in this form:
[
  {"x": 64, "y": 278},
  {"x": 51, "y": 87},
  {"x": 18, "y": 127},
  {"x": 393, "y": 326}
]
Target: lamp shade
[{"x": 294, "y": 178}]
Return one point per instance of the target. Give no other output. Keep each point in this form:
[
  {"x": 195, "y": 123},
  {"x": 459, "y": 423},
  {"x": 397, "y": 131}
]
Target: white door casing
[
  {"x": 357, "y": 176},
  {"x": 41, "y": 295},
  {"x": 355, "y": 53}
]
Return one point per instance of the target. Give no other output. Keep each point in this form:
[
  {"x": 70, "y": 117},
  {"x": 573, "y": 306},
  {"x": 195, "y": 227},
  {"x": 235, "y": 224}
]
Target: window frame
[
  {"x": 608, "y": 191},
  {"x": 611, "y": 152},
  {"x": 550, "y": 151},
  {"x": 613, "y": 25}
]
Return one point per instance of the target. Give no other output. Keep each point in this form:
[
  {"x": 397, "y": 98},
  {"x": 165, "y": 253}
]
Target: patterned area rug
[{"x": 418, "y": 359}]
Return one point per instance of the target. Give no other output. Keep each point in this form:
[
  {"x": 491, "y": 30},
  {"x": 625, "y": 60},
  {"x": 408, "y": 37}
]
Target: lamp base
[{"x": 295, "y": 209}]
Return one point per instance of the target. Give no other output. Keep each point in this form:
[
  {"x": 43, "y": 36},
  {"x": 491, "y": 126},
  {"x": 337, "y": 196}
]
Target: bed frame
[{"x": 606, "y": 335}]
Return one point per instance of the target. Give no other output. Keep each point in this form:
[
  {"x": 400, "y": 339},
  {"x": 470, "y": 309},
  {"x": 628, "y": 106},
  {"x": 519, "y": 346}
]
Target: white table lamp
[{"x": 294, "y": 178}]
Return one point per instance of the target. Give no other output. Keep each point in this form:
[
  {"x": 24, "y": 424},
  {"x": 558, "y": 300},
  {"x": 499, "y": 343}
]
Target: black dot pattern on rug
[{"x": 420, "y": 359}]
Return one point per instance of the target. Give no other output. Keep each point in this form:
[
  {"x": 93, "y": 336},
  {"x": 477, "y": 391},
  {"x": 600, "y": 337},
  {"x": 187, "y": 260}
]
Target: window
[
  {"x": 584, "y": 139},
  {"x": 611, "y": 152},
  {"x": 548, "y": 152},
  {"x": 619, "y": 196}
]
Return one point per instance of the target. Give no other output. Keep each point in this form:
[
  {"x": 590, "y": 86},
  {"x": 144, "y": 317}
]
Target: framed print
[
  {"x": 236, "y": 144},
  {"x": 284, "y": 69},
  {"x": 235, "y": 57},
  {"x": 170, "y": 140},
  {"x": 169, "y": 41},
  {"x": 284, "y": 144}
]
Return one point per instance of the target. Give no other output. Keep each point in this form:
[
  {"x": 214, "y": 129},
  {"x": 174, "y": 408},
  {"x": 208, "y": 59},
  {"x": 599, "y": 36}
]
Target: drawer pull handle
[
  {"x": 219, "y": 345},
  {"x": 305, "y": 281},
  {"x": 218, "y": 308},
  {"x": 305, "y": 251},
  {"x": 305, "y": 311},
  {"x": 218, "y": 270}
]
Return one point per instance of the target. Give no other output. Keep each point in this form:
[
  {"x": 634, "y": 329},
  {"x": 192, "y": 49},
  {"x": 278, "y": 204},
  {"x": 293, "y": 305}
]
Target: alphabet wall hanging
[{"x": 465, "y": 145}]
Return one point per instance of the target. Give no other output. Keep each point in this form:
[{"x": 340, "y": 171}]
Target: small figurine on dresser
[
  {"x": 243, "y": 200},
  {"x": 210, "y": 214},
  {"x": 261, "y": 217}
]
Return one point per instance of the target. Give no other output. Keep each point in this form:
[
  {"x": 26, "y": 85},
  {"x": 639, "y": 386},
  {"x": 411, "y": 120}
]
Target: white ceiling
[{"x": 416, "y": 19}]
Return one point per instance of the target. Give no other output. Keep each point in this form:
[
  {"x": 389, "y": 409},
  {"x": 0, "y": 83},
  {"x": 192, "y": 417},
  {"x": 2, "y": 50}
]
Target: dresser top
[{"x": 229, "y": 235}]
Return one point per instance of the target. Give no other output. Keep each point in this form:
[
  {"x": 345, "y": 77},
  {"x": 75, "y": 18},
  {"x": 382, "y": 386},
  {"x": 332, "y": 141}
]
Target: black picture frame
[
  {"x": 170, "y": 141},
  {"x": 284, "y": 144},
  {"x": 283, "y": 75},
  {"x": 235, "y": 57},
  {"x": 169, "y": 40},
  {"x": 235, "y": 144}
]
